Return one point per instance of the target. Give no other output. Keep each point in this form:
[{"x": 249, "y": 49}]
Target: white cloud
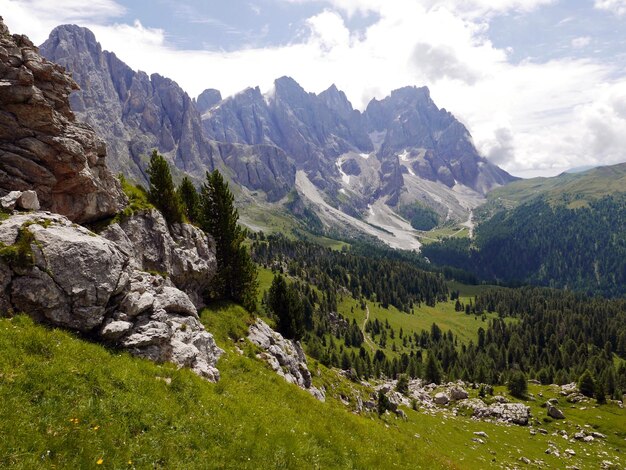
[
  {"x": 529, "y": 117},
  {"x": 468, "y": 7},
  {"x": 38, "y": 17},
  {"x": 329, "y": 30},
  {"x": 615, "y": 6},
  {"x": 581, "y": 42}
]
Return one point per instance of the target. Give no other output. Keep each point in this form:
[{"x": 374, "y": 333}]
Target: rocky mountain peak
[
  {"x": 287, "y": 86},
  {"x": 337, "y": 101},
  {"x": 42, "y": 146},
  {"x": 134, "y": 113},
  {"x": 207, "y": 99}
]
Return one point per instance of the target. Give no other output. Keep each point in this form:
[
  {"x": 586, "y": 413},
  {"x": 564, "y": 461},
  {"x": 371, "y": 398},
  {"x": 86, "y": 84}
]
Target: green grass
[
  {"x": 439, "y": 233},
  {"x": 271, "y": 220},
  {"x": 443, "y": 314},
  {"x": 572, "y": 189},
  {"x": 67, "y": 403}
]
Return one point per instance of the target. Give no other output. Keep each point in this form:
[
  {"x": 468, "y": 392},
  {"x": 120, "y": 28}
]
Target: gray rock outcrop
[
  {"x": 182, "y": 252},
  {"x": 42, "y": 146},
  {"x": 64, "y": 275},
  {"x": 284, "y": 356},
  {"x": 441, "y": 398},
  {"x": 457, "y": 393},
  {"x": 515, "y": 413}
]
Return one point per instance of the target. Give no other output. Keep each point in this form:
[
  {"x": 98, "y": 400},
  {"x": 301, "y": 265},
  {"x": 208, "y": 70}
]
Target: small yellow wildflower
[
  {"x": 95, "y": 428},
  {"x": 100, "y": 461}
]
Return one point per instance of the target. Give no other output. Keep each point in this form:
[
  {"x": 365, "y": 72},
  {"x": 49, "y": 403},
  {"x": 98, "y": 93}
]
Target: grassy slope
[
  {"x": 588, "y": 185},
  {"x": 68, "y": 403},
  {"x": 443, "y": 314}
]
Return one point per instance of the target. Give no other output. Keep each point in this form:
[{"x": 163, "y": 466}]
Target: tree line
[{"x": 388, "y": 281}]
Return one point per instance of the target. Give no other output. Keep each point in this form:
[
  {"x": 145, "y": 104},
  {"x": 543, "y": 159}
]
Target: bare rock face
[
  {"x": 42, "y": 147},
  {"x": 260, "y": 167},
  {"x": 182, "y": 252},
  {"x": 133, "y": 112},
  {"x": 284, "y": 356},
  {"x": 64, "y": 275}
]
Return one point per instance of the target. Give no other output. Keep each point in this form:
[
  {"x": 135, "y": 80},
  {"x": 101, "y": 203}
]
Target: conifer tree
[
  {"x": 586, "y": 384},
  {"x": 402, "y": 386},
  {"x": 162, "y": 192},
  {"x": 284, "y": 301},
  {"x": 236, "y": 277},
  {"x": 518, "y": 384},
  {"x": 189, "y": 199},
  {"x": 433, "y": 370}
]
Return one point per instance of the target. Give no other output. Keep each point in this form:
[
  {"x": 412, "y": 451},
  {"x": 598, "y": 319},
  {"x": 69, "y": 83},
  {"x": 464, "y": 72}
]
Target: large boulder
[
  {"x": 42, "y": 147},
  {"x": 554, "y": 412},
  {"x": 284, "y": 356},
  {"x": 71, "y": 276},
  {"x": 457, "y": 393},
  {"x": 441, "y": 398},
  {"x": 64, "y": 275},
  {"x": 181, "y": 251}
]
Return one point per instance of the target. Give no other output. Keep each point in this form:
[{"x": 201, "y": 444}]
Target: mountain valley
[{"x": 279, "y": 280}]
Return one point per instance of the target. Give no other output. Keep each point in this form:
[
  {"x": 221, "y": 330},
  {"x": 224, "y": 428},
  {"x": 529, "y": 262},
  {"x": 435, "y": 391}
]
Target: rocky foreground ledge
[
  {"x": 65, "y": 275},
  {"x": 42, "y": 146}
]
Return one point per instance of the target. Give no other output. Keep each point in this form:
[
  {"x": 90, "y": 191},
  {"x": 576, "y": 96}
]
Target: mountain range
[{"x": 359, "y": 172}]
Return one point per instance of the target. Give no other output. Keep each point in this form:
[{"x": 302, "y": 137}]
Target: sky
[{"x": 540, "y": 84}]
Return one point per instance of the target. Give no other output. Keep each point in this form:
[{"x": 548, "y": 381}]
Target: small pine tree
[
  {"x": 586, "y": 384},
  {"x": 189, "y": 199},
  {"x": 433, "y": 370},
  {"x": 236, "y": 277},
  {"x": 162, "y": 192},
  {"x": 403, "y": 384},
  {"x": 600, "y": 393},
  {"x": 383, "y": 404},
  {"x": 284, "y": 301},
  {"x": 518, "y": 384}
]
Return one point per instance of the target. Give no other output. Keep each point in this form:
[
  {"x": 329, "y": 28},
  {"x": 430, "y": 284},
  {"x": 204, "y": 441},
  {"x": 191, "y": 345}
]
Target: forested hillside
[
  {"x": 582, "y": 248},
  {"x": 548, "y": 334}
]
